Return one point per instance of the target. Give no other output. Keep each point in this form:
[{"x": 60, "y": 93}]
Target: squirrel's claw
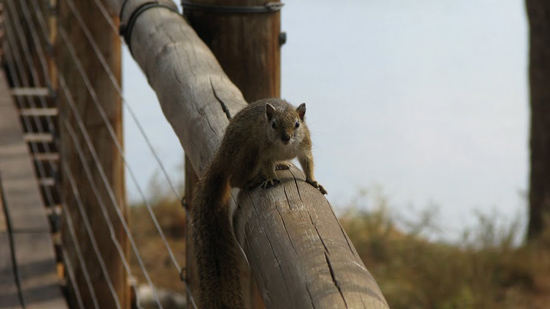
[
  {"x": 316, "y": 185},
  {"x": 268, "y": 183},
  {"x": 256, "y": 181}
]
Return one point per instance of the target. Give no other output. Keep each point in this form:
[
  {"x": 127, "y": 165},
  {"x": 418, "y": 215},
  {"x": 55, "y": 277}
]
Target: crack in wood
[
  {"x": 222, "y": 104},
  {"x": 312, "y": 301},
  {"x": 334, "y": 280},
  {"x": 318, "y": 234},
  {"x": 263, "y": 280},
  {"x": 272, "y": 250},
  {"x": 297, "y": 187},
  {"x": 193, "y": 103},
  {"x": 176, "y": 76},
  {"x": 287, "y": 199},
  {"x": 286, "y": 230},
  {"x": 278, "y": 263}
]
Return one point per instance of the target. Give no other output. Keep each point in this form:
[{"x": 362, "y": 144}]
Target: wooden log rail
[{"x": 298, "y": 252}]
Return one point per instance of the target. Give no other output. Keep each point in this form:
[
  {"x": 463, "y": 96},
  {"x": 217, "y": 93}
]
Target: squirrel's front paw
[
  {"x": 270, "y": 182},
  {"x": 256, "y": 181},
  {"x": 316, "y": 185}
]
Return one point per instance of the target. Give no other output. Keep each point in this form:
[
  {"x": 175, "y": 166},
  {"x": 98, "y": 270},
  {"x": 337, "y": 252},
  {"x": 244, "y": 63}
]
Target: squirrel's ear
[
  {"x": 301, "y": 110},
  {"x": 269, "y": 110}
]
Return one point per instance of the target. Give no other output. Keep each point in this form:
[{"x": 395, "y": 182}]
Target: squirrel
[{"x": 257, "y": 142}]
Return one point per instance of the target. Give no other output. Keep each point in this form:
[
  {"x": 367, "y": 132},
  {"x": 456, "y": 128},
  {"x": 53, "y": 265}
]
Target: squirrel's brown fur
[{"x": 257, "y": 141}]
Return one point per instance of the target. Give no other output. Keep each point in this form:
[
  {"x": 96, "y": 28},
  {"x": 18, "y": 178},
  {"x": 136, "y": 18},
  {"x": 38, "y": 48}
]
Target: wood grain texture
[
  {"x": 298, "y": 252},
  {"x": 246, "y": 45},
  {"x": 247, "y": 48},
  {"x": 300, "y": 255},
  {"x": 196, "y": 95},
  {"x": 94, "y": 191},
  {"x": 36, "y": 271}
]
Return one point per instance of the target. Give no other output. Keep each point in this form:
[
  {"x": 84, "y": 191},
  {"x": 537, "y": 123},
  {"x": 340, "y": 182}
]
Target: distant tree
[{"x": 538, "y": 12}]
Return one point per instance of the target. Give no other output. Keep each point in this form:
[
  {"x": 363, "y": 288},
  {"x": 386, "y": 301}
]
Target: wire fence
[{"x": 28, "y": 52}]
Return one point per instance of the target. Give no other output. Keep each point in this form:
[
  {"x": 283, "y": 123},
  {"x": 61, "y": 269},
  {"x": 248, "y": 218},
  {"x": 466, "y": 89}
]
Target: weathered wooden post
[
  {"x": 298, "y": 252},
  {"x": 246, "y": 43},
  {"x": 244, "y": 35},
  {"x": 110, "y": 46}
]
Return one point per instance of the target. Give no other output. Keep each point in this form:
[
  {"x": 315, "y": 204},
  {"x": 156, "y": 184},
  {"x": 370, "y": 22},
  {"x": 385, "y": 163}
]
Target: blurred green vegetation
[{"x": 486, "y": 268}]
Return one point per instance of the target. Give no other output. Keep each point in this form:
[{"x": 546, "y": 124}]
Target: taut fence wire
[
  {"x": 28, "y": 52},
  {"x": 63, "y": 62}
]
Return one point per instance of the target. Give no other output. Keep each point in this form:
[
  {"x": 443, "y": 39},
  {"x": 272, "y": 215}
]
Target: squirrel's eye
[
  {"x": 297, "y": 124},
  {"x": 273, "y": 125}
]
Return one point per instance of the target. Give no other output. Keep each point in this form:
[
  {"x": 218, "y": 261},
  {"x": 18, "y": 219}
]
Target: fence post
[
  {"x": 298, "y": 251},
  {"x": 109, "y": 45},
  {"x": 247, "y": 45}
]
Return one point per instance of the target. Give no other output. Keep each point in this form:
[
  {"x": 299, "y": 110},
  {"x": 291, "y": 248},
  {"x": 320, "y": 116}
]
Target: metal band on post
[
  {"x": 125, "y": 29},
  {"x": 269, "y": 7}
]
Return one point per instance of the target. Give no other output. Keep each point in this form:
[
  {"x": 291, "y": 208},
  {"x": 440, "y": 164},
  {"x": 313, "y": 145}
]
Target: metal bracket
[{"x": 125, "y": 29}]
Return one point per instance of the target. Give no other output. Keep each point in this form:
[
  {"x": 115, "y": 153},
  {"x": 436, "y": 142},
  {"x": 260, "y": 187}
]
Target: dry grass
[
  {"x": 157, "y": 260},
  {"x": 484, "y": 270}
]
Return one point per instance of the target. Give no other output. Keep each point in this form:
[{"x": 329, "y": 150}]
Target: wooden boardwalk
[{"x": 28, "y": 274}]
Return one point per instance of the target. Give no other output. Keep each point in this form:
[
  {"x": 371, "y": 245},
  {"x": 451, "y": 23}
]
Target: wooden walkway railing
[
  {"x": 28, "y": 274},
  {"x": 298, "y": 253}
]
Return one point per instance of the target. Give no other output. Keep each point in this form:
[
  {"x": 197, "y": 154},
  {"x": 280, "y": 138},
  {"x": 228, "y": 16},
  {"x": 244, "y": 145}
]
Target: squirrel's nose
[{"x": 285, "y": 138}]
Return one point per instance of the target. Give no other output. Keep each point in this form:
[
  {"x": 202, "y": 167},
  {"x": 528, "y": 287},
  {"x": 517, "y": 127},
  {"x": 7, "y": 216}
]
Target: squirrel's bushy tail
[{"x": 214, "y": 244}]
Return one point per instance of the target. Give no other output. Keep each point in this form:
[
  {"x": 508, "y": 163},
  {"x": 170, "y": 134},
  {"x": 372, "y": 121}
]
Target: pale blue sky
[{"x": 425, "y": 98}]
